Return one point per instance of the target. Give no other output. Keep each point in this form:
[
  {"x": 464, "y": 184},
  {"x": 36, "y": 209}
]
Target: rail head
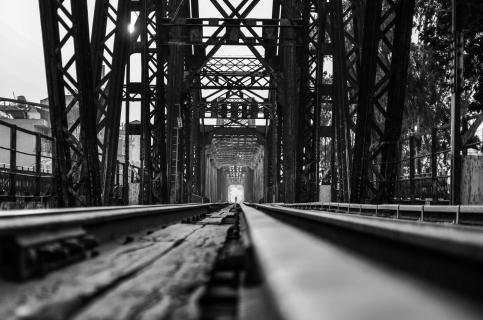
[
  {"x": 309, "y": 277},
  {"x": 13, "y": 222},
  {"x": 459, "y": 214},
  {"x": 36, "y": 242},
  {"x": 455, "y": 240}
]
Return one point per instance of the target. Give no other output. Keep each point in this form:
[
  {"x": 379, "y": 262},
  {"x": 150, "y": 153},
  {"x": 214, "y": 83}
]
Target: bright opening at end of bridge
[{"x": 236, "y": 193}]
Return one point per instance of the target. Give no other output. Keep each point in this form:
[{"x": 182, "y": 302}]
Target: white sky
[
  {"x": 22, "y": 67},
  {"x": 21, "y": 54}
]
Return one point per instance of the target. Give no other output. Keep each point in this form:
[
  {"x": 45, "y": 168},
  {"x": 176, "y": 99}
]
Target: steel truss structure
[
  {"x": 326, "y": 78},
  {"x": 382, "y": 83}
]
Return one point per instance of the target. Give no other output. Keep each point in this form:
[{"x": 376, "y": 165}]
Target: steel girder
[
  {"x": 153, "y": 134},
  {"x": 177, "y": 60},
  {"x": 341, "y": 120},
  {"x": 194, "y": 176},
  {"x": 273, "y": 151},
  {"x": 236, "y": 108},
  {"x": 352, "y": 21},
  {"x": 312, "y": 97},
  {"x": 225, "y": 81},
  {"x": 178, "y": 105},
  {"x": 457, "y": 90},
  {"x": 113, "y": 45},
  {"x": 76, "y": 163},
  {"x": 234, "y": 74},
  {"x": 382, "y": 79},
  {"x": 158, "y": 117},
  {"x": 110, "y": 50},
  {"x": 239, "y": 79},
  {"x": 150, "y": 92},
  {"x": 347, "y": 28},
  {"x": 326, "y": 137},
  {"x": 235, "y": 150},
  {"x": 290, "y": 87},
  {"x": 338, "y": 34},
  {"x": 195, "y": 150}
]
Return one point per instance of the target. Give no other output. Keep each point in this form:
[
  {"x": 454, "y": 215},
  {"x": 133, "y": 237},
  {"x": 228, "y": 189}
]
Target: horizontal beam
[
  {"x": 228, "y": 87},
  {"x": 190, "y": 32}
]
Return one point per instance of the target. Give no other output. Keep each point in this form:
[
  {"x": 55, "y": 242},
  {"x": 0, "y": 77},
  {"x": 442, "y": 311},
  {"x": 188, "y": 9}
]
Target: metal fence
[
  {"x": 424, "y": 167},
  {"x": 26, "y": 170},
  {"x": 466, "y": 214}
]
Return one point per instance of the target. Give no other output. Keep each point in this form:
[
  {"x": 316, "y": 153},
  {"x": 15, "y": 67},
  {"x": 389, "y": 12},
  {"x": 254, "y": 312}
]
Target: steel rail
[
  {"x": 61, "y": 211},
  {"x": 13, "y": 222},
  {"x": 319, "y": 265},
  {"x": 35, "y": 242},
  {"x": 462, "y": 241},
  {"x": 459, "y": 214}
]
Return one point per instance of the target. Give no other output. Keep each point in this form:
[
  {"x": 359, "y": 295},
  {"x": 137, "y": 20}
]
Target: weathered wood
[
  {"x": 168, "y": 287},
  {"x": 216, "y": 217},
  {"x": 63, "y": 293}
]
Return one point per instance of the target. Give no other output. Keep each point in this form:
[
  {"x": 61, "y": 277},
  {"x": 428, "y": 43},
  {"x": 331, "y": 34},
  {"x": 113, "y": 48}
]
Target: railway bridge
[{"x": 245, "y": 159}]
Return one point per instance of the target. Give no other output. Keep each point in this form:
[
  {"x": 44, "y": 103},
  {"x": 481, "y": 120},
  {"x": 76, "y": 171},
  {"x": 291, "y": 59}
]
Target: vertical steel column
[
  {"x": 457, "y": 89},
  {"x": 76, "y": 165},
  {"x": 98, "y": 39},
  {"x": 146, "y": 190},
  {"x": 87, "y": 106},
  {"x": 113, "y": 105},
  {"x": 353, "y": 29},
  {"x": 340, "y": 97},
  {"x": 13, "y": 163},
  {"x": 156, "y": 54},
  {"x": 38, "y": 165},
  {"x": 110, "y": 23},
  {"x": 273, "y": 147},
  {"x": 174, "y": 98},
  {"x": 353, "y": 18},
  {"x": 127, "y": 117},
  {"x": 273, "y": 154},
  {"x": 365, "y": 111},
  {"x": 290, "y": 95},
  {"x": 412, "y": 166},
  {"x": 382, "y": 80},
  {"x": 311, "y": 97},
  {"x": 218, "y": 185},
  {"x": 434, "y": 163},
  {"x": 158, "y": 152},
  {"x": 194, "y": 151},
  {"x": 396, "y": 97},
  {"x": 266, "y": 171},
  {"x": 61, "y": 153},
  {"x": 194, "y": 165}
]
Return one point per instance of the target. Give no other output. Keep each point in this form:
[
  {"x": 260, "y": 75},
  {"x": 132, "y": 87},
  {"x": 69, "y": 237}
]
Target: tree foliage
[{"x": 433, "y": 25}]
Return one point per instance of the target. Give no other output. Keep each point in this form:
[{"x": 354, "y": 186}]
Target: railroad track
[
  {"x": 55, "y": 263},
  {"x": 35, "y": 242},
  {"x": 325, "y": 265},
  {"x": 461, "y": 214},
  {"x": 225, "y": 262}
]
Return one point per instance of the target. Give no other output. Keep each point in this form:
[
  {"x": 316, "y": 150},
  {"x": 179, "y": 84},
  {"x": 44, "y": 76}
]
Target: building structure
[{"x": 31, "y": 118}]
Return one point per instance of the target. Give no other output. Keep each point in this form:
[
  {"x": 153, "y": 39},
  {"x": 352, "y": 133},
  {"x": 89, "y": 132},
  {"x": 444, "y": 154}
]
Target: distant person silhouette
[{"x": 236, "y": 199}]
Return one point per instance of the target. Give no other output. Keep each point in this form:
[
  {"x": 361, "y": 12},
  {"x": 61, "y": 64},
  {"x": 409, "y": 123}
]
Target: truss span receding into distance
[{"x": 295, "y": 93}]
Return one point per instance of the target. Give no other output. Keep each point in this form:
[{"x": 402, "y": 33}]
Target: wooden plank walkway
[{"x": 149, "y": 276}]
